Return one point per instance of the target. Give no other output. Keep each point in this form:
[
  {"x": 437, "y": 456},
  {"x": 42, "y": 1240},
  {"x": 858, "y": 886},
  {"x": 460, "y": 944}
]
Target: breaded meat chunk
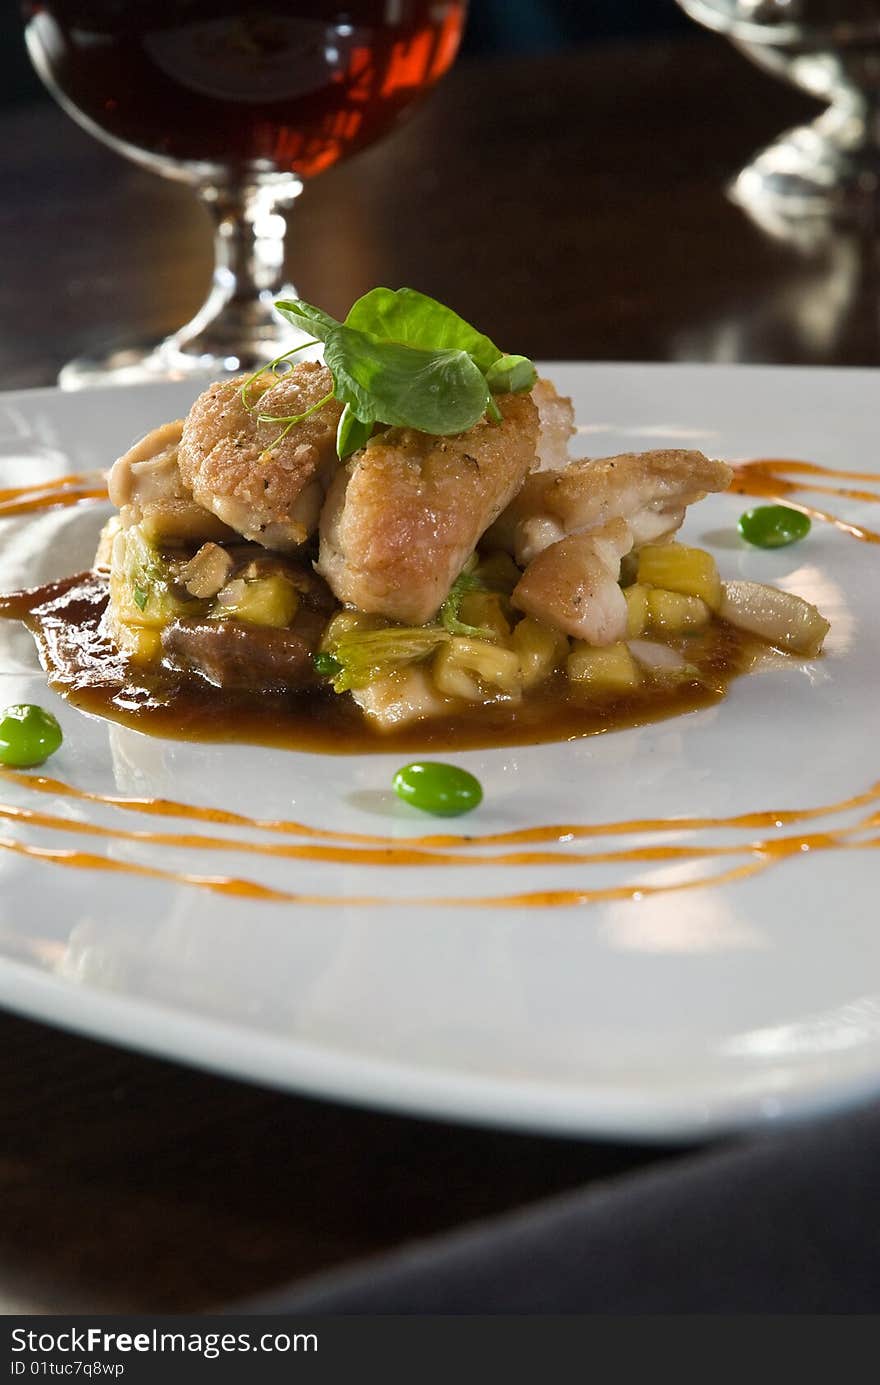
[
  {"x": 266, "y": 486},
  {"x": 402, "y": 518},
  {"x": 650, "y": 490},
  {"x": 556, "y": 417}
]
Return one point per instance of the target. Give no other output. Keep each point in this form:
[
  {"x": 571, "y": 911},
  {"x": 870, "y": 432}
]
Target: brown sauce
[{"x": 83, "y": 666}]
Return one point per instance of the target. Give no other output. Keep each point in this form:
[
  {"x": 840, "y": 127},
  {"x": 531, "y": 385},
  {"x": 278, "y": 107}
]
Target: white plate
[{"x": 679, "y": 1014}]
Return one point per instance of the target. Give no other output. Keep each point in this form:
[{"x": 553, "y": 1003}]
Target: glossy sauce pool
[{"x": 85, "y": 668}]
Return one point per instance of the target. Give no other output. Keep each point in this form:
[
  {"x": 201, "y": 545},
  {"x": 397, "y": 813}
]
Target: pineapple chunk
[
  {"x": 636, "y": 598},
  {"x": 476, "y": 670},
  {"x": 611, "y": 669},
  {"x": 541, "y": 649},
  {"x": 782, "y": 619},
  {"x": 267, "y": 601},
  {"x": 484, "y": 611},
  {"x": 142, "y": 644},
  {"x": 676, "y": 568},
  {"x": 671, "y": 613}
]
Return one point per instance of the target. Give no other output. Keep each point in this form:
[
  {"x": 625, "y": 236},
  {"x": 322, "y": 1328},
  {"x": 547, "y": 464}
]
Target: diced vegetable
[
  {"x": 269, "y": 600},
  {"x": 476, "y": 670},
  {"x": 141, "y": 643},
  {"x": 671, "y": 613},
  {"x": 541, "y": 649},
  {"x": 776, "y": 616},
  {"x": 661, "y": 660},
  {"x": 444, "y": 790},
  {"x": 400, "y": 698},
  {"x": 142, "y": 588},
  {"x": 611, "y": 669},
  {"x": 364, "y": 655},
  {"x": 676, "y": 568},
  {"x": 207, "y": 571},
  {"x": 485, "y": 611},
  {"x": 773, "y": 526},
  {"x": 636, "y": 598}
]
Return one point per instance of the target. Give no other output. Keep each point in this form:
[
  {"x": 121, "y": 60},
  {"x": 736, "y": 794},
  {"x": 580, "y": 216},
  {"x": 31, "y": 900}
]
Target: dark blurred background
[{"x": 495, "y": 26}]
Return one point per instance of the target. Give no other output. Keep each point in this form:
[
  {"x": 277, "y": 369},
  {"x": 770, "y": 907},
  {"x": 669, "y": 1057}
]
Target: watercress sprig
[{"x": 403, "y": 359}]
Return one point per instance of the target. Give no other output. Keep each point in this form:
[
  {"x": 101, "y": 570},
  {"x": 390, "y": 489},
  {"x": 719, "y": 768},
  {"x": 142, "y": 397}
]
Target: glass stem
[{"x": 237, "y": 320}]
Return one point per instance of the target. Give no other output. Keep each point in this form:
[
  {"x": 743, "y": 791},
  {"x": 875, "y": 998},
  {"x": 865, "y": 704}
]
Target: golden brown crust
[
  {"x": 405, "y": 514},
  {"x": 237, "y": 467}
]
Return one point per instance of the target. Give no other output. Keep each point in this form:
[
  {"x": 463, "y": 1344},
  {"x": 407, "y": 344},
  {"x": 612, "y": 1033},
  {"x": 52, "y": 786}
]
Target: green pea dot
[
  {"x": 28, "y": 735},
  {"x": 773, "y": 526},
  {"x": 444, "y": 790}
]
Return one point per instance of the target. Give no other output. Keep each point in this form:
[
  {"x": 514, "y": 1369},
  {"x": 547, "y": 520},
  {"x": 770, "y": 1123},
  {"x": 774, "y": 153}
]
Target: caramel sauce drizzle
[
  {"x": 58, "y": 490},
  {"x": 766, "y": 854},
  {"x": 560, "y": 834},
  {"x": 762, "y": 478},
  {"x": 763, "y": 852},
  {"x": 768, "y": 478}
]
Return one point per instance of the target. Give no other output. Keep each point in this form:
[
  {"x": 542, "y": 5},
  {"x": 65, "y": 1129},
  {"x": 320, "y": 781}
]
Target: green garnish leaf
[
  {"x": 326, "y": 665},
  {"x": 140, "y": 597},
  {"x": 352, "y": 433},
  {"x": 403, "y": 359},
  {"x": 369, "y": 654},
  {"x": 413, "y": 319},
  {"x": 466, "y": 581},
  {"x": 304, "y": 315},
  {"x": 437, "y": 392},
  {"x": 511, "y": 375}
]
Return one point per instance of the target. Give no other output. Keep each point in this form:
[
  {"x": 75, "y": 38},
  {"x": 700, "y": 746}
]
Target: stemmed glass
[
  {"x": 245, "y": 101},
  {"x": 831, "y": 49}
]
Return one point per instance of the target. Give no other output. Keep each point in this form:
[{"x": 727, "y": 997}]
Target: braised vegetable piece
[
  {"x": 636, "y": 598},
  {"x": 672, "y": 613},
  {"x": 207, "y": 571},
  {"x": 477, "y": 671},
  {"x": 663, "y": 663},
  {"x": 144, "y": 596},
  {"x": 270, "y": 600},
  {"x": 776, "y": 616},
  {"x": 676, "y": 568},
  {"x": 611, "y": 670},
  {"x": 28, "y": 735},
  {"x": 773, "y": 526},
  {"x": 541, "y": 649},
  {"x": 444, "y": 790},
  {"x": 367, "y": 654}
]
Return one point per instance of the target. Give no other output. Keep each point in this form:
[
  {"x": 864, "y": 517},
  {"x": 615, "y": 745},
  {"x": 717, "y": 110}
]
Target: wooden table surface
[{"x": 572, "y": 206}]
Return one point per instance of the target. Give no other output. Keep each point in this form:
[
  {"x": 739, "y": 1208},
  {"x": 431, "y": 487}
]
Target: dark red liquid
[{"x": 284, "y": 86}]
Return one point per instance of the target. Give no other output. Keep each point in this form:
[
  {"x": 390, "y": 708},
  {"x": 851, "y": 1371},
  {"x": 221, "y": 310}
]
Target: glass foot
[
  {"x": 826, "y": 168},
  {"x": 152, "y": 361},
  {"x": 137, "y": 364}
]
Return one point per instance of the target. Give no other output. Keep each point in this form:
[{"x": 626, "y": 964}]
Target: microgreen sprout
[
  {"x": 403, "y": 359},
  {"x": 273, "y": 367}
]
